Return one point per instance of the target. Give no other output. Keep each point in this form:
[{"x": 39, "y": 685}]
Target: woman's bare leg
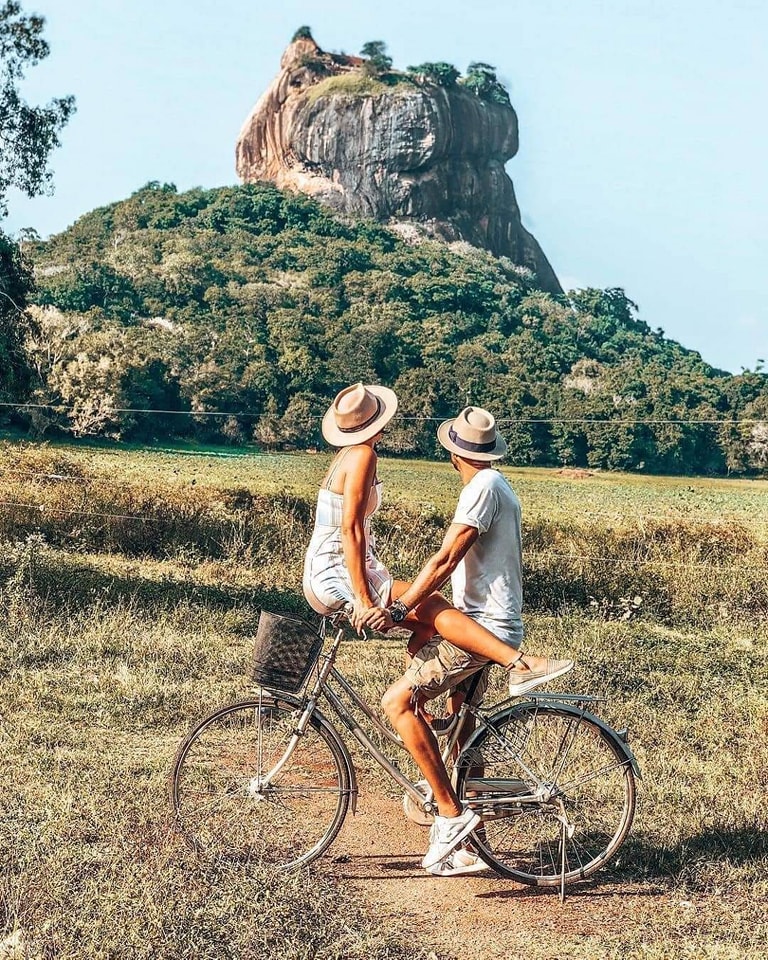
[{"x": 435, "y": 615}]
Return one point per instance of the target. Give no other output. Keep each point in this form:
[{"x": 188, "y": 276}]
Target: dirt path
[{"x": 485, "y": 917}]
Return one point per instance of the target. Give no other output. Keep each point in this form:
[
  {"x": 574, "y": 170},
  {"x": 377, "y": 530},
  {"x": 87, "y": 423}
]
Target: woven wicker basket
[{"x": 285, "y": 650}]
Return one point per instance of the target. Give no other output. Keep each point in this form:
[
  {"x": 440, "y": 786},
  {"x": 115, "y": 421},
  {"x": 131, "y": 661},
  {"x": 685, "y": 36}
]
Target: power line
[
  {"x": 599, "y": 514},
  {"x": 637, "y": 561},
  {"x": 604, "y": 514},
  {"x": 530, "y": 556},
  {"x": 663, "y": 518},
  {"x": 60, "y": 407},
  {"x": 44, "y": 507},
  {"x": 623, "y": 421}
]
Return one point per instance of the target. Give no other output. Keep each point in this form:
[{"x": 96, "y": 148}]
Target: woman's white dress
[{"x": 326, "y": 579}]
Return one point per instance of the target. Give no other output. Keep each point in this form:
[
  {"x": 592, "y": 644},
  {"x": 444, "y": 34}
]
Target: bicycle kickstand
[{"x": 566, "y": 832}]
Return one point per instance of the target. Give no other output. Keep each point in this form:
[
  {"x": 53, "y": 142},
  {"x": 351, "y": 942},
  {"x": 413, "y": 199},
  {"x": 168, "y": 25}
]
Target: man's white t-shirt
[{"x": 488, "y": 584}]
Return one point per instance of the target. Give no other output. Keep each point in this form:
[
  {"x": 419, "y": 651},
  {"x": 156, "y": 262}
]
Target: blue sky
[{"x": 642, "y": 158}]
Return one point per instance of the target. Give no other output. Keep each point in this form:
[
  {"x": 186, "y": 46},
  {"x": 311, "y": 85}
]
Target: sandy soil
[{"x": 378, "y": 856}]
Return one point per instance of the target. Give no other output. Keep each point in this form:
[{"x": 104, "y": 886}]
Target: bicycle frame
[
  {"x": 327, "y": 673},
  {"x": 553, "y": 783}
]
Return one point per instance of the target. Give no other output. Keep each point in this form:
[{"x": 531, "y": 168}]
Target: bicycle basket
[{"x": 285, "y": 650}]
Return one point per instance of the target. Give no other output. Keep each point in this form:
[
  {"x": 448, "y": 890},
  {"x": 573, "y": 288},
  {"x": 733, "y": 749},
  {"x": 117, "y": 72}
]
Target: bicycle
[{"x": 270, "y": 778}]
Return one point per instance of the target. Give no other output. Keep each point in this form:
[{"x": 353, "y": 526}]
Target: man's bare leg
[
  {"x": 422, "y": 633},
  {"x": 434, "y": 615},
  {"x": 421, "y": 744}
]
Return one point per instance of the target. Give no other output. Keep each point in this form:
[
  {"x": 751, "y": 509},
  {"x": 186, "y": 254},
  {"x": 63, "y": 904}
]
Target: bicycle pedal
[{"x": 414, "y": 811}]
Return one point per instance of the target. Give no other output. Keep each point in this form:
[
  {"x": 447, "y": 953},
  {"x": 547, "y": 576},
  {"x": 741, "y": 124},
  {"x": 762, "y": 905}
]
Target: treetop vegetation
[
  {"x": 441, "y": 73},
  {"x": 261, "y": 305},
  {"x": 377, "y": 61},
  {"x": 303, "y": 33},
  {"x": 28, "y": 133},
  {"x": 481, "y": 79},
  {"x": 377, "y": 65}
]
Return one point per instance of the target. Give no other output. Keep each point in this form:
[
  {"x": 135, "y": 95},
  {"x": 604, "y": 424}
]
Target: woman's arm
[{"x": 360, "y": 464}]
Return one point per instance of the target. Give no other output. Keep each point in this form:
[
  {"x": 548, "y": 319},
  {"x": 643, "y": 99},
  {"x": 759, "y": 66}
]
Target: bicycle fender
[
  {"x": 326, "y": 724},
  {"x": 617, "y": 736}
]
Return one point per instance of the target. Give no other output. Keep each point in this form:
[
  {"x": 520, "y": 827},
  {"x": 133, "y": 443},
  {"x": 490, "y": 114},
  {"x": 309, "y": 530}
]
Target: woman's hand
[
  {"x": 377, "y": 618},
  {"x": 359, "y": 611}
]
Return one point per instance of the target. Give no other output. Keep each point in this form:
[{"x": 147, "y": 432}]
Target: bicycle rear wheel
[
  {"x": 555, "y": 789},
  {"x": 224, "y": 807}
]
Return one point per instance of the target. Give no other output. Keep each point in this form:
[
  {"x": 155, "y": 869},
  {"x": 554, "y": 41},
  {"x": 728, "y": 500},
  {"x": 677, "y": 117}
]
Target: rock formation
[{"x": 414, "y": 151}]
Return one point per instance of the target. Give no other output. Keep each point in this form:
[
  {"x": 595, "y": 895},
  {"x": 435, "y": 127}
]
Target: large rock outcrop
[{"x": 415, "y": 152}]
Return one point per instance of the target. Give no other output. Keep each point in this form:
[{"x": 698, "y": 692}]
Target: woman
[{"x": 341, "y": 565}]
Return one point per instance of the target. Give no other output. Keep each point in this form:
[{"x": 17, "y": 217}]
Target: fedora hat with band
[
  {"x": 358, "y": 413},
  {"x": 472, "y": 435}
]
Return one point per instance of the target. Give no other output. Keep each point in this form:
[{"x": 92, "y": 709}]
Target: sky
[{"x": 642, "y": 160}]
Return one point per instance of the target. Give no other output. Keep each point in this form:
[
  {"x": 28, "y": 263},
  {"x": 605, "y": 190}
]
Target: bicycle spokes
[{"x": 554, "y": 789}]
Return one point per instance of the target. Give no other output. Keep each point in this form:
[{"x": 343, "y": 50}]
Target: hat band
[
  {"x": 468, "y": 445},
  {"x": 366, "y": 423}
]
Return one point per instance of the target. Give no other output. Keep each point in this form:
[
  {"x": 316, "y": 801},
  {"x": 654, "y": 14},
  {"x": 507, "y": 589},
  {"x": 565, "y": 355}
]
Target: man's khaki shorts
[{"x": 440, "y": 665}]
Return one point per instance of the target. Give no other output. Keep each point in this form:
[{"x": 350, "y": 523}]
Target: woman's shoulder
[
  {"x": 360, "y": 453},
  {"x": 360, "y": 459}
]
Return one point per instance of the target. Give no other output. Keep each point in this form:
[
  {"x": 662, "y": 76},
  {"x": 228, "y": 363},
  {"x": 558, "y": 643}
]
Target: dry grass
[
  {"x": 692, "y": 552},
  {"x": 110, "y": 646},
  {"x": 96, "y": 696},
  {"x": 354, "y": 85},
  {"x": 95, "y": 700}
]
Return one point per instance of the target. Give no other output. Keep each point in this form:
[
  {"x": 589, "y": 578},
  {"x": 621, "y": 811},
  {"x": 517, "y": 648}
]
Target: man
[{"x": 481, "y": 553}]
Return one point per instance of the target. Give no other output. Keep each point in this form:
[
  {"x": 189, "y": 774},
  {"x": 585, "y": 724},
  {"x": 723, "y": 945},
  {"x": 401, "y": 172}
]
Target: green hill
[{"x": 260, "y": 305}]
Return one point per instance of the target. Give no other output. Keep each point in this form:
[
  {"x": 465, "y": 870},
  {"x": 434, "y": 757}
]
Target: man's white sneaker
[
  {"x": 459, "y": 862},
  {"x": 447, "y": 833},
  {"x": 521, "y": 681}
]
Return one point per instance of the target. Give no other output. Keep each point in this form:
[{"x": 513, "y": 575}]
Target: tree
[
  {"x": 441, "y": 73},
  {"x": 377, "y": 61},
  {"x": 262, "y": 304},
  {"x": 15, "y": 282},
  {"x": 482, "y": 81},
  {"x": 303, "y": 33},
  {"x": 28, "y": 134}
]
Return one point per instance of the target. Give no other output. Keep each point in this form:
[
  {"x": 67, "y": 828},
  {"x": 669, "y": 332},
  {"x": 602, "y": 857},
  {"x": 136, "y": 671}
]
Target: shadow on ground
[{"x": 643, "y": 858}]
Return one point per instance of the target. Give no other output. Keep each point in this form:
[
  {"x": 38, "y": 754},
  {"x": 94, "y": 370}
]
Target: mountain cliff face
[{"x": 413, "y": 152}]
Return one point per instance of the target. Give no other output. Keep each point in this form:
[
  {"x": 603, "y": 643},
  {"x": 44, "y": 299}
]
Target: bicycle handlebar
[{"x": 345, "y": 614}]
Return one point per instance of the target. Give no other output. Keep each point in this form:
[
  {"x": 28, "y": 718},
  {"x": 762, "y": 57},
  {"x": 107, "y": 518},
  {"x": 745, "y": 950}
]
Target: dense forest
[{"x": 242, "y": 310}]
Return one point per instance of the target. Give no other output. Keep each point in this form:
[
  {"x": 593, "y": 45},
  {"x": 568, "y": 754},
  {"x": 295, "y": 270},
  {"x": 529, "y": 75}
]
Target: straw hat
[
  {"x": 358, "y": 413},
  {"x": 472, "y": 435}
]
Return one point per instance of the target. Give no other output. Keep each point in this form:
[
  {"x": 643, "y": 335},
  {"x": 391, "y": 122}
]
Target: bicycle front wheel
[
  {"x": 555, "y": 789},
  {"x": 232, "y": 799}
]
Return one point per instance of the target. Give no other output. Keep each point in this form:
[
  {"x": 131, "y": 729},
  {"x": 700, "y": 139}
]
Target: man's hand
[{"x": 377, "y": 618}]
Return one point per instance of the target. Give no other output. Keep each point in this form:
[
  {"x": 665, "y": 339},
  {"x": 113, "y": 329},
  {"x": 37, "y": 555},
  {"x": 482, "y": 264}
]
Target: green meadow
[{"x": 130, "y": 584}]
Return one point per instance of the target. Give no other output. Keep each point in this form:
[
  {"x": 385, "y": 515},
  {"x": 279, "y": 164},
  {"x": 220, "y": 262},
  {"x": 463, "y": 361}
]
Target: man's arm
[{"x": 458, "y": 538}]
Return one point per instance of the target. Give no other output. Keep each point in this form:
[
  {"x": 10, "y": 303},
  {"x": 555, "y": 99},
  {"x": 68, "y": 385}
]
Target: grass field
[{"x": 130, "y": 588}]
